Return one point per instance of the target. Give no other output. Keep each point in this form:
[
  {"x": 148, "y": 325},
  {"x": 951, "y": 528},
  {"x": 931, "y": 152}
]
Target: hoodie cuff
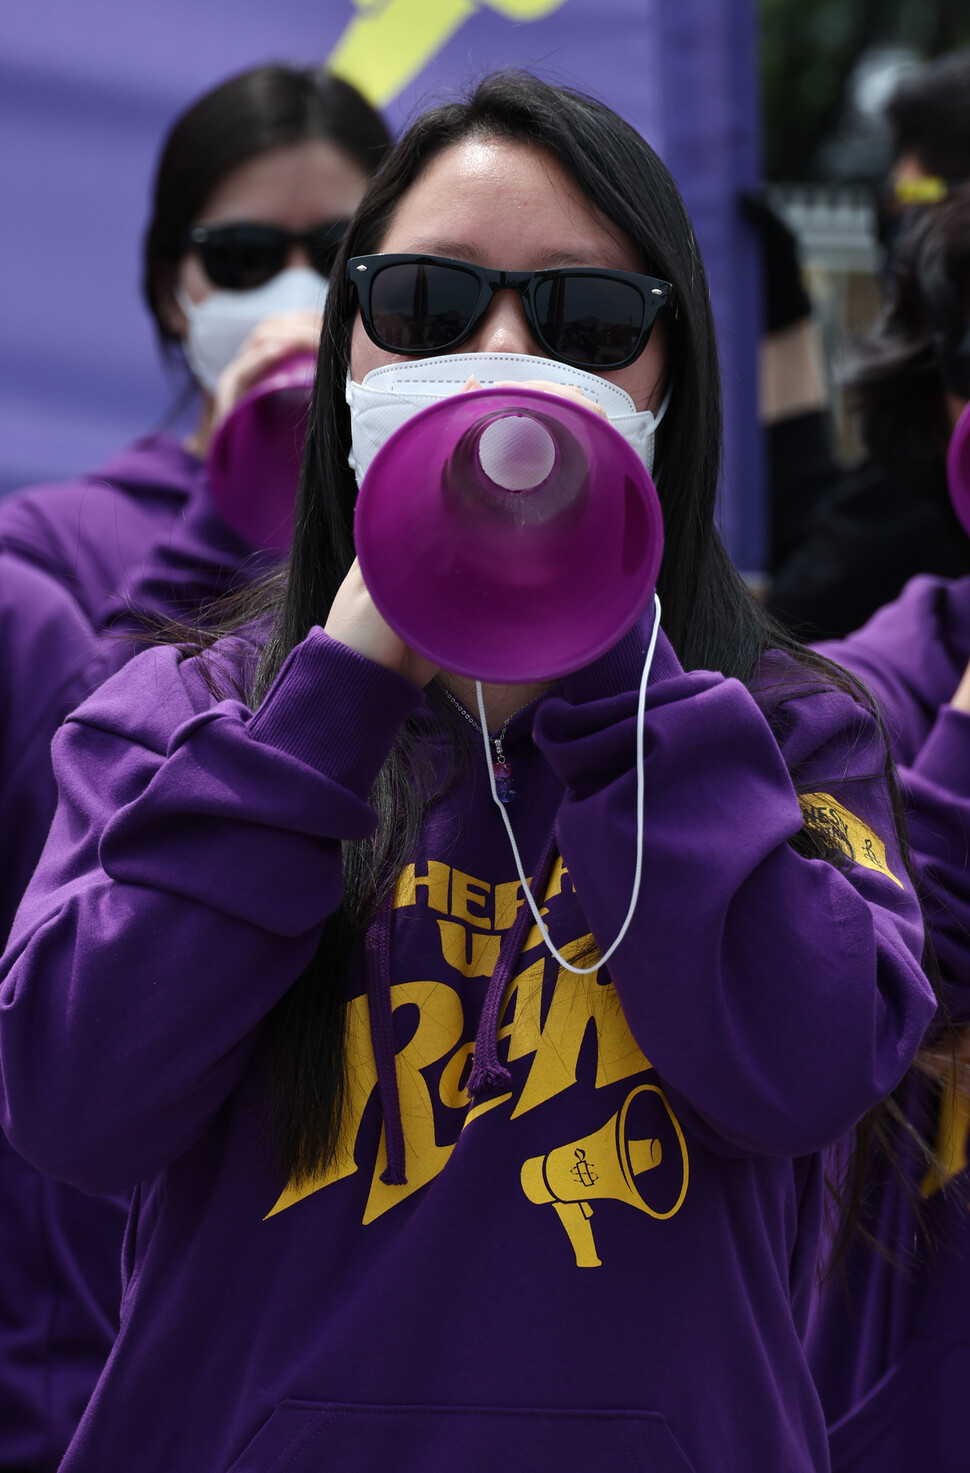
[
  {"x": 944, "y": 758},
  {"x": 336, "y": 711}
]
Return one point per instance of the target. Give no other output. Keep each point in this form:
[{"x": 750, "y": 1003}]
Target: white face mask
[
  {"x": 220, "y": 324},
  {"x": 389, "y": 396}
]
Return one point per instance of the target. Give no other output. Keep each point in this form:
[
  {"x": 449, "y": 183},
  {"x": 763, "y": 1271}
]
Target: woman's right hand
[
  {"x": 272, "y": 340},
  {"x": 355, "y": 622}
]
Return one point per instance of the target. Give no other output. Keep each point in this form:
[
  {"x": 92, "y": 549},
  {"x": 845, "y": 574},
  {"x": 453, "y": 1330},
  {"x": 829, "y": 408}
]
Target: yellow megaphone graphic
[
  {"x": 607, "y": 1164},
  {"x": 388, "y": 42}
]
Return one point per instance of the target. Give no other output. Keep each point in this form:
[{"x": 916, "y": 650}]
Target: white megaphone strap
[{"x": 638, "y": 871}]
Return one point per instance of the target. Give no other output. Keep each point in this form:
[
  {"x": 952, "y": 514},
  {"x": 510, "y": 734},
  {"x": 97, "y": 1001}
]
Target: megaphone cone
[
  {"x": 958, "y": 469},
  {"x": 254, "y": 459},
  {"x": 509, "y": 535}
]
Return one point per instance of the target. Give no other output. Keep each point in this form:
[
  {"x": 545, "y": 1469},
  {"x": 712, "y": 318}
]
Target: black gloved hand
[{"x": 785, "y": 299}]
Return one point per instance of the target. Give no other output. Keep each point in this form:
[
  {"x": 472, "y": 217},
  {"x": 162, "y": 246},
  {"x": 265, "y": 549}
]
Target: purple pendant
[{"x": 503, "y": 781}]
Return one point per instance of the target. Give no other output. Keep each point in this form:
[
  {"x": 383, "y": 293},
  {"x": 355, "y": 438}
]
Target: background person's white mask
[
  {"x": 390, "y": 395},
  {"x": 220, "y": 324}
]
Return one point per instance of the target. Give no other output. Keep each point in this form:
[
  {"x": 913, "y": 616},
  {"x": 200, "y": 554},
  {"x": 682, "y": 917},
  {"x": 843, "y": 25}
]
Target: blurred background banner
[{"x": 88, "y": 88}]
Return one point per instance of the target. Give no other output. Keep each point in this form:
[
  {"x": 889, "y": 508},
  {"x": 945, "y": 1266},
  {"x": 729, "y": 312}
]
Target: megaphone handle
[{"x": 575, "y": 1217}]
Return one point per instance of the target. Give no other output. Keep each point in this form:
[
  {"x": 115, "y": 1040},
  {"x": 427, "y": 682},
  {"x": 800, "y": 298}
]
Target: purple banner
[{"x": 88, "y": 87}]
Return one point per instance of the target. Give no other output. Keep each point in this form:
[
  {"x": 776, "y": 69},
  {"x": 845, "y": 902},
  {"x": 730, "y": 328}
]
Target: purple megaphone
[
  {"x": 509, "y": 535},
  {"x": 254, "y": 459},
  {"x": 958, "y": 469}
]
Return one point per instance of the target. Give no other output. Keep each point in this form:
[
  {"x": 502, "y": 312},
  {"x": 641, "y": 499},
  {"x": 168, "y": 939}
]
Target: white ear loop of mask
[{"x": 638, "y": 872}]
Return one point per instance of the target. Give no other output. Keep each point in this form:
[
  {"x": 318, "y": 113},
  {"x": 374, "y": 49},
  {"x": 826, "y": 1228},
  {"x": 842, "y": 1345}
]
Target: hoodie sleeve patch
[{"x": 861, "y": 844}]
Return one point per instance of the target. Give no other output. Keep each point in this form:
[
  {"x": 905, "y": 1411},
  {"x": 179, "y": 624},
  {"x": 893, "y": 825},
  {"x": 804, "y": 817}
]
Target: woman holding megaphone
[
  {"x": 255, "y": 184},
  {"x": 422, "y": 1182}
]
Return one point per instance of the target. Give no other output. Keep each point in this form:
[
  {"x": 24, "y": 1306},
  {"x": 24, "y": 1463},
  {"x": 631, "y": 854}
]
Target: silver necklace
[{"x": 501, "y": 766}]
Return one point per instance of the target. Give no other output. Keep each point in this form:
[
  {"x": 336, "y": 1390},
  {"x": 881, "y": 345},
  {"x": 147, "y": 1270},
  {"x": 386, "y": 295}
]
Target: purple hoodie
[
  {"x": 601, "y": 1255},
  {"x": 50, "y": 659},
  {"x": 138, "y": 537},
  {"x": 893, "y": 1363},
  {"x": 55, "y": 1330}
]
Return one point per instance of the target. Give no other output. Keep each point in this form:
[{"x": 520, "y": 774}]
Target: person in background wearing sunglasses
[
  {"x": 890, "y": 1345},
  {"x": 412, "y": 1193},
  {"x": 255, "y": 185}
]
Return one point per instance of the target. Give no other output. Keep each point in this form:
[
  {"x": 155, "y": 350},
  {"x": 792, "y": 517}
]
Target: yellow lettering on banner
[
  {"x": 577, "y": 1002},
  {"x": 440, "y": 1026},
  {"x": 361, "y": 1080},
  {"x": 463, "y": 896},
  {"x": 470, "y": 952},
  {"x": 860, "y": 842},
  {"x": 436, "y": 881}
]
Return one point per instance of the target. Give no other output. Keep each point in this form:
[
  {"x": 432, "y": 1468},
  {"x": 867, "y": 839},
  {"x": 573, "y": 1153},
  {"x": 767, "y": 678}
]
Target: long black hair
[
  {"x": 711, "y": 619},
  {"x": 893, "y": 373},
  {"x": 249, "y": 114}
]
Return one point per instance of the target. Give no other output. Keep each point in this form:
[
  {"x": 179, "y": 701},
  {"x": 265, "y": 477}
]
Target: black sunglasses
[
  {"x": 242, "y": 255},
  {"x": 583, "y": 316}
]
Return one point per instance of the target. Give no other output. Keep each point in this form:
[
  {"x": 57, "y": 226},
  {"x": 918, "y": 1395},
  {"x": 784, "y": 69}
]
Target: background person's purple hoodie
[
  {"x": 54, "y": 1330},
  {"x": 892, "y": 1360},
  {"x": 50, "y": 659},
  {"x": 137, "y": 540},
  {"x": 603, "y": 1257},
  {"x": 138, "y": 537}
]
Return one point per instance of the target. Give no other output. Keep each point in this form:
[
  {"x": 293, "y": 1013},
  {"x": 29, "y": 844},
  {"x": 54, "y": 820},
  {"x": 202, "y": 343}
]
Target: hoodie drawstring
[{"x": 487, "y": 1073}]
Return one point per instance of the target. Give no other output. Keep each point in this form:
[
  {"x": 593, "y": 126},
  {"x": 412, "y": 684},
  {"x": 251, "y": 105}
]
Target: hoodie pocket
[
  {"x": 335, "y": 1437},
  {"x": 915, "y": 1417}
]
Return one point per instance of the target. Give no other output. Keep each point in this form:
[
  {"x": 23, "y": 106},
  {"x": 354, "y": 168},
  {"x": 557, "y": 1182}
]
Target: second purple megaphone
[
  {"x": 958, "y": 469},
  {"x": 255, "y": 455},
  {"x": 509, "y": 535}
]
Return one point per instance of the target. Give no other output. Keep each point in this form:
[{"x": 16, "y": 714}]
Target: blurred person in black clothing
[{"x": 843, "y": 542}]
